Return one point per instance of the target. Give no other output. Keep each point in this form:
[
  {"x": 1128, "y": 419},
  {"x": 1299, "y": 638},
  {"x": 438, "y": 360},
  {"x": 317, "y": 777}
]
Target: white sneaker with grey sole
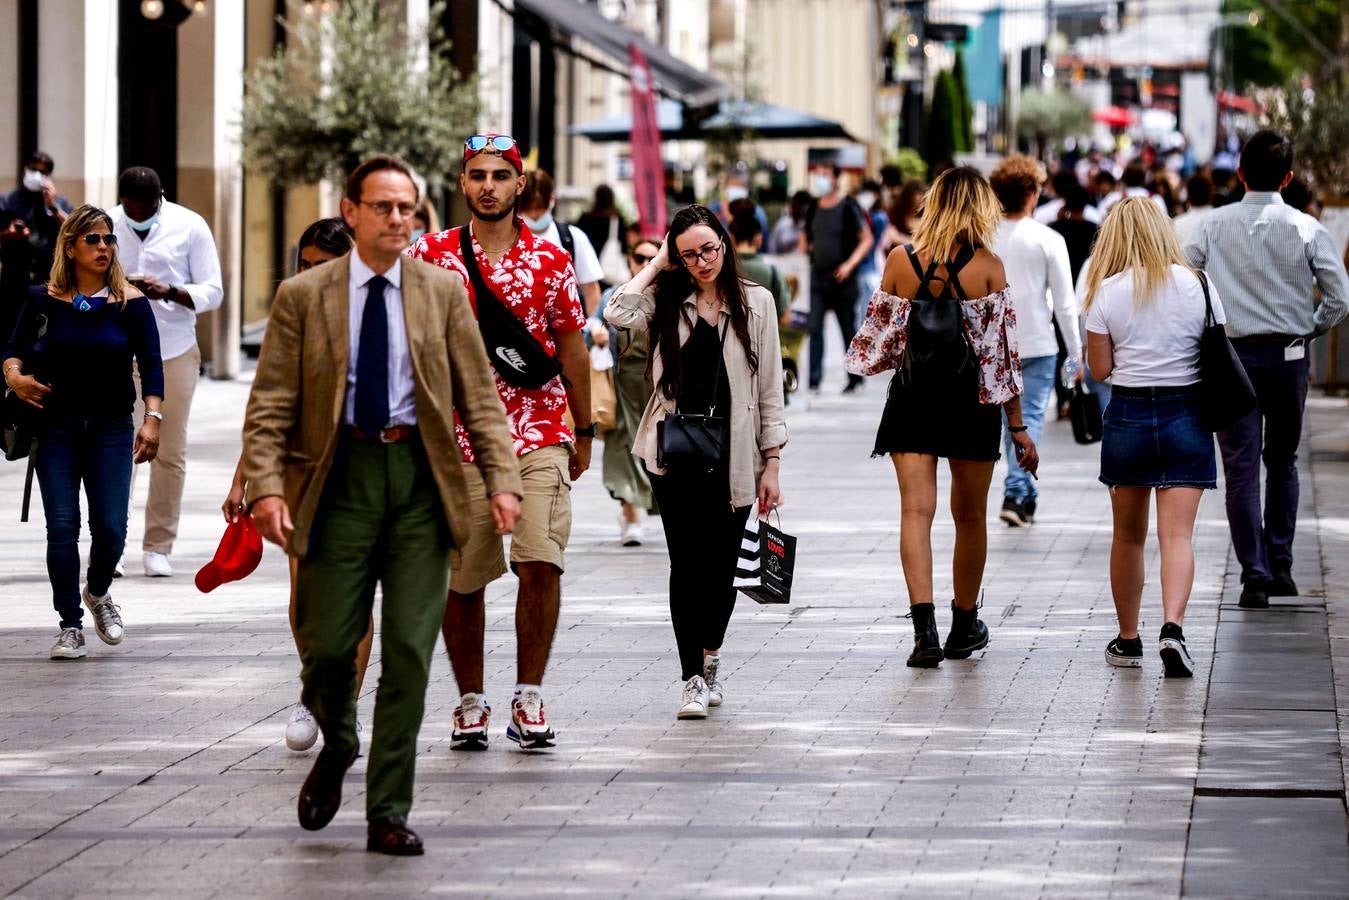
[
  {"x": 301, "y": 731},
  {"x": 693, "y": 705},
  {"x": 107, "y": 617},
  {"x": 157, "y": 566},
  {"x": 70, "y": 644},
  {"x": 715, "y": 692}
]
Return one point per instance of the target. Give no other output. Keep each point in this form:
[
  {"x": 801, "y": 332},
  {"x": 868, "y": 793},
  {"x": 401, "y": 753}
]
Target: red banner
[{"x": 648, "y": 170}]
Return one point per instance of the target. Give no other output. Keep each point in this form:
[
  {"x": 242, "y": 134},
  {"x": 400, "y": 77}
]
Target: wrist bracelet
[
  {"x": 767, "y": 458},
  {"x": 1017, "y": 429}
]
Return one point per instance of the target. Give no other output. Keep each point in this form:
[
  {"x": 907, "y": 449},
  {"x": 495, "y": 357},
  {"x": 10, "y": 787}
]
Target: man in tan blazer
[{"x": 352, "y": 467}]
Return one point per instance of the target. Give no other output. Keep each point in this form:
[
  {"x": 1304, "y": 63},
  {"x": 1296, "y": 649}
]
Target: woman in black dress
[{"x": 951, "y": 410}]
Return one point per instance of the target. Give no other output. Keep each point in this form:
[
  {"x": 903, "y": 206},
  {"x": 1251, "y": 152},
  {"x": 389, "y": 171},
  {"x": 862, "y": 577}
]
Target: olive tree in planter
[
  {"x": 353, "y": 83},
  {"x": 1317, "y": 122}
]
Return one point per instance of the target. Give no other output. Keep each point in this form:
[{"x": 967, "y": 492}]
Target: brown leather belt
[{"x": 394, "y": 434}]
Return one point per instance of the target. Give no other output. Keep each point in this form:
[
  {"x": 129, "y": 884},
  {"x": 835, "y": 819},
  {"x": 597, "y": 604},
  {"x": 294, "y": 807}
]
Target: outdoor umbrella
[
  {"x": 1114, "y": 116},
  {"x": 765, "y": 120}
]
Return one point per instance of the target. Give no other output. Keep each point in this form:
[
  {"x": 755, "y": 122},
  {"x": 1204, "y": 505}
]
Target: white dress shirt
[
  {"x": 402, "y": 402},
  {"x": 1268, "y": 259},
  {"x": 1188, "y": 222},
  {"x": 1035, "y": 258},
  {"x": 179, "y": 251}
]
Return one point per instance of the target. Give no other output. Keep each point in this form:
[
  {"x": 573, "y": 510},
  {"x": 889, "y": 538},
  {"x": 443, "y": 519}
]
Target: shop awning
[
  {"x": 673, "y": 77},
  {"x": 765, "y": 120}
]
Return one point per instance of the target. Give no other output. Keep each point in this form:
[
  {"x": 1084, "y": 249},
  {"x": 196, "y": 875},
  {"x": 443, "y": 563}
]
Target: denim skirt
[{"x": 1153, "y": 438}]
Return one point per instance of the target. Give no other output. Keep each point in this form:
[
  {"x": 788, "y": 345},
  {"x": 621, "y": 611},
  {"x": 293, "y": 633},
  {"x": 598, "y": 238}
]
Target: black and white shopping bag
[{"x": 767, "y": 558}]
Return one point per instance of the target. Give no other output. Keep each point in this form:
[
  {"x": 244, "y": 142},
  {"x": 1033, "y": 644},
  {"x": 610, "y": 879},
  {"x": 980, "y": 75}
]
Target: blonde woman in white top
[{"x": 1145, "y": 313}]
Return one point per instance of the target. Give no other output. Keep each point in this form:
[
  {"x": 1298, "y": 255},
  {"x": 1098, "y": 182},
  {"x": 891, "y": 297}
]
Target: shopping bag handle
[{"x": 763, "y": 517}]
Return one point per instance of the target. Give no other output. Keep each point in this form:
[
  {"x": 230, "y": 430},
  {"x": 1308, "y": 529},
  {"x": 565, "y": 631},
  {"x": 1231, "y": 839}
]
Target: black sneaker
[
  {"x": 1254, "y": 595},
  {"x": 1175, "y": 658},
  {"x": 1014, "y": 513},
  {"x": 1125, "y": 654},
  {"x": 1281, "y": 585},
  {"x": 1028, "y": 508}
]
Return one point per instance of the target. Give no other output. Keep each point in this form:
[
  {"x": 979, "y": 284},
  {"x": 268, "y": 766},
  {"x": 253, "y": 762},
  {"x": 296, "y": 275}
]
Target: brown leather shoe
[
  {"x": 392, "y": 836},
  {"x": 322, "y": 792}
]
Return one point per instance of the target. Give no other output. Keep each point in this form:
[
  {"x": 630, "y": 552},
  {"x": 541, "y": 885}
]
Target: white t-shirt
[
  {"x": 1035, "y": 258},
  {"x": 1156, "y": 344},
  {"x": 586, "y": 263}
]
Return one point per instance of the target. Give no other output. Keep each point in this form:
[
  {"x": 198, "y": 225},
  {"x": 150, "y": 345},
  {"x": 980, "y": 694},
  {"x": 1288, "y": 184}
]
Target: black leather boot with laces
[
  {"x": 968, "y": 634},
  {"x": 926, "y": 642}
]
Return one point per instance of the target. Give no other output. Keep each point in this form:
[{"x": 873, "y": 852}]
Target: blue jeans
[
  {"x": 97, "y": 452},
  {"x": 1037, "y": 375}
]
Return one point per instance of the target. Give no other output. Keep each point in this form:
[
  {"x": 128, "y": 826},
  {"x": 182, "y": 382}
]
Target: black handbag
[
  {"x": 514, "y": 352},
  {"x": 1225, "y": 392},
  {"x": 936, "y": 328},
  {"x": 1084, "y": 409},
  {"x": 19, "y": 422},
  {"x": 692, "y": 442}
]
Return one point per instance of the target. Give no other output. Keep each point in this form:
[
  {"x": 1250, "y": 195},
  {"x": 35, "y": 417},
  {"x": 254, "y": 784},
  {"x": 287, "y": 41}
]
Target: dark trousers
[
  {"x": 1264, "y": 544},
  {"x": 840, "y": 298},
  {"x": 702, "y": 533},
  {"x": 382, "y": 524},
  {"x": 97, "y": 452}
]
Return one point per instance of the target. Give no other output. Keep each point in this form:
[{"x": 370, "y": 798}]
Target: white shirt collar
[{"x": 361, "y": 273}]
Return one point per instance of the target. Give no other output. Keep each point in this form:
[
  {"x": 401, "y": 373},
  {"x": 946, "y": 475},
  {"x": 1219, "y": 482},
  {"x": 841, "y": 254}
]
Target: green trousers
[{"x": 382, "y": 522}]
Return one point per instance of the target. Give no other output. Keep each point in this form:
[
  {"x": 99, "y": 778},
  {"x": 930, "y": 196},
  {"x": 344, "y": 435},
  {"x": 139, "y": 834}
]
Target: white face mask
[
  {"x": 867, "y": 199},
  {"x": 539, "y": 225},
  {"x": 822, "y": 185},
  {"x": 148, "y": 223},
  {"x": 736, "y": 192},
  {"x": 33, "y": 180}
]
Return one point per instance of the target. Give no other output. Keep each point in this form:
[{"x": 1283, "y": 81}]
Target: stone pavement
[{"x": 157, "y": 768}]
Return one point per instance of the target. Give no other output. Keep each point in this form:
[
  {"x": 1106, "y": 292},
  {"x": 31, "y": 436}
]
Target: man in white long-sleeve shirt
[
  {"x": 1038, "y": 273},
  {"x": 169, "y": 254}
]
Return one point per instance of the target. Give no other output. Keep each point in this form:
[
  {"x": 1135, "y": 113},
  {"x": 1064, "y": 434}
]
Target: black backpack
[{"x": 937, "y": 341}]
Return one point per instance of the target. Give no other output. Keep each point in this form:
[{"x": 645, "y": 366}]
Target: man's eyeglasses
[
  {"x": 707, "y": 253},
  {"x": 93, "y": 240},
  {"x": 499, "y": 142},
  {"x": 383, "y": 208}
]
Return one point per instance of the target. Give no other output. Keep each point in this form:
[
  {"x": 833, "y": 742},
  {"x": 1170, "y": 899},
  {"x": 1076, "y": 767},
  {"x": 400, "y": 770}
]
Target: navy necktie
[{"x": 372, "y": 361}]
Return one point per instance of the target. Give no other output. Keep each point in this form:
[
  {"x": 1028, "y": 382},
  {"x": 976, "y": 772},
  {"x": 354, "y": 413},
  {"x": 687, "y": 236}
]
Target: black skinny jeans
[{"x": 703, "y": 534}]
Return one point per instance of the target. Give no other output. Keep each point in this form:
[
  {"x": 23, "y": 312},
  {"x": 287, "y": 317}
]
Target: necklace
[{"x": 489, "y": 251}]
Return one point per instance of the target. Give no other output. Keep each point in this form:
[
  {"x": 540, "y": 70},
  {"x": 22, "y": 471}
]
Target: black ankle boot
[
  {"x": 926, "y": 642},
  {"x": 967, "y": 633}
]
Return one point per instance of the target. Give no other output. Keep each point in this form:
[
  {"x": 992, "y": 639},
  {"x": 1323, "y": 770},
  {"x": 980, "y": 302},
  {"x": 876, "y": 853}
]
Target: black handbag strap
[
  {"x": 721, "y": 363},
  {"x": 1209, "y": 318},
  {"x": 952, "y": 270}
]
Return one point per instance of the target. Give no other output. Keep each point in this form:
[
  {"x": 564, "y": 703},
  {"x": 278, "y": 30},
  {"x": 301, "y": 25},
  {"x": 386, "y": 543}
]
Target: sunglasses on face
[
  {"x": 499, "y": 142},
  {"x": 708, "y": 253},
  {"x": 641, "y": 258},
  {"x": 93, "y": 240}
]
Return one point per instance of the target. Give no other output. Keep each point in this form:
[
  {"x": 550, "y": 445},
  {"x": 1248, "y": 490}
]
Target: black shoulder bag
[
  {"x": 1225, "y": 392},
  {"x": 936, "y": 323},
  {"x": 19, "y": 422},
  {"x": 693, "y": 442},
  {"x": 516, "y": 354}
]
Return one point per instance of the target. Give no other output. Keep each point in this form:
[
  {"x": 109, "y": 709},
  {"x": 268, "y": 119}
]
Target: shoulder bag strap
[
  {"x": 568, "y": 240},
  {"x": 1209, "y": 318},
  {"x": 953, "y": 270},
  {"x": 913, "y": 261},
  {"x": 481, "y": 291}
]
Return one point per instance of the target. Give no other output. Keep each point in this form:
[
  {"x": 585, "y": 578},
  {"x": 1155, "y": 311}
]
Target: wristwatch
[
  {"x": 588, "y": 431},
  {"x": 154, "y": 414}
]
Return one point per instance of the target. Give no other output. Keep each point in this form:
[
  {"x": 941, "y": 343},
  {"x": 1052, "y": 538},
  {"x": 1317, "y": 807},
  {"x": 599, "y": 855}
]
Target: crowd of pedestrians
[{"x": 423, "y": 392}]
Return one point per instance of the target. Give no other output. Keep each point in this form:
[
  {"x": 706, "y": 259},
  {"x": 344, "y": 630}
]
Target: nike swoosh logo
[{"x": 510, "y": 357}]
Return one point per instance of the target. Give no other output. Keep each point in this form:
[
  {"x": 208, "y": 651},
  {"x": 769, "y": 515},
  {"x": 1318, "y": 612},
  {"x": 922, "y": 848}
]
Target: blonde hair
[
  {"x": 1135, "y": 235},
  {"x": 959, "y": 209},
  {"x": 77, "y": 225}
]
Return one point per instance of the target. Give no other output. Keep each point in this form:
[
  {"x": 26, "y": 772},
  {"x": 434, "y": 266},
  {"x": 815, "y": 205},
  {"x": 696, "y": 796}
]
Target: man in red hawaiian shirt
[{"x": 535, "y": 281}]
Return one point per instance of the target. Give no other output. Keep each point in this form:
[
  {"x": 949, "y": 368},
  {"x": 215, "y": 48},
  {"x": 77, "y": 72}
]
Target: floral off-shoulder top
[{"x": 990, "y": 326}]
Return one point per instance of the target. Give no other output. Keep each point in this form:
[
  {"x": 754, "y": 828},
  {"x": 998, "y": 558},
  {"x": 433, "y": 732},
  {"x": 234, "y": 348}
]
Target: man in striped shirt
[{"x": 1267, "y": 261}]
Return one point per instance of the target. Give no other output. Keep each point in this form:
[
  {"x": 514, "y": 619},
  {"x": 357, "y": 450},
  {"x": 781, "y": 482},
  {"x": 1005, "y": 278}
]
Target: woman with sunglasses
[
  {"x": 714, "y": 352},
  {"x": 624, "y": 477},
  {"x": 323, "y": 241},
  {"x": 70, "y": 357}
]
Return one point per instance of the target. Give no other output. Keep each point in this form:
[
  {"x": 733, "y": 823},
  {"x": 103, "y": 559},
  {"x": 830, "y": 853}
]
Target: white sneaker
[
  {"x": 631, "y": 531},
  {"x": 107, "y": 620},
  {"x": 693, "y": 705},
  {"x": 301, "y": 731},
  {"x": 70, "y": 645},
  {"x": 715, "y": 692},
  {"x": 157, "y": 566}
]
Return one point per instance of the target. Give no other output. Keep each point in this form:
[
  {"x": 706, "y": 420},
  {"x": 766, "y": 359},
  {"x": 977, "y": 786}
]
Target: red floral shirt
[{"x": 535, "y": 279}]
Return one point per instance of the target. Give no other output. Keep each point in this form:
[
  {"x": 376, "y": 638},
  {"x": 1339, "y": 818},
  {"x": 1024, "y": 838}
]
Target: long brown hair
[
  {"x": 77, "y": 225},
  {"x": 674, "y": 287}
]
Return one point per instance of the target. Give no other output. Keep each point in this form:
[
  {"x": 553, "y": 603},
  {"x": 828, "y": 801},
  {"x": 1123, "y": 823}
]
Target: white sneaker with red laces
[
  {"x": 529, "y": 727},
  {"x": 471, "y": 718}
]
